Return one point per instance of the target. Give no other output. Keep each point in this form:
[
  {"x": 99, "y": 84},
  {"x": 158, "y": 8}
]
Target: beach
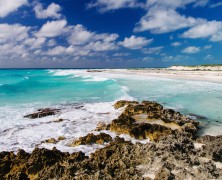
[
  {"x": 208, "y": 74},
  {"x": 89, "y": 118}
]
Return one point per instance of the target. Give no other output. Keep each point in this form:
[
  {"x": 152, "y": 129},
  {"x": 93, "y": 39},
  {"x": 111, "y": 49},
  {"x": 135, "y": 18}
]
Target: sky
[{"x": 109, "y": 33}]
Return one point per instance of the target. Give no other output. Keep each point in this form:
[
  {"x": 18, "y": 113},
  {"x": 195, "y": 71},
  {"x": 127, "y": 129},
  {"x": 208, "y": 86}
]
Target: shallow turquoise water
[
  {"x": 188, "y": 97},
  {"x": 24, "y": 91},
  {"x": 39, "y": 86}
]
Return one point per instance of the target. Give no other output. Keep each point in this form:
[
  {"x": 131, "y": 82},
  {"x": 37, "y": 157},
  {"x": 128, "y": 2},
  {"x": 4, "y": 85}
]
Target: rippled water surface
[{"x": 25, "y": 91}]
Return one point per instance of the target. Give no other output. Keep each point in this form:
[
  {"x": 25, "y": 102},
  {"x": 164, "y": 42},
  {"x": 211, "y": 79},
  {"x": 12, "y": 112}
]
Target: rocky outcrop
[
  {"x": 53, "y": 140},
  {"x": 171, "y": 158},
  {"x": 94, "y": 70},
  {"x": 174, "y": 153},
  {"x": 92, "y": 139},
  {"x": 123, "y": 103},
  {"x": 212, "y": 146},
  {"x": 150, "y": 120},
  {"x": 43, "y": 113}
]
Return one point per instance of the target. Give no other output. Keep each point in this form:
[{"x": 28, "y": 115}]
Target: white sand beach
[{"x": 209, "y": 74}]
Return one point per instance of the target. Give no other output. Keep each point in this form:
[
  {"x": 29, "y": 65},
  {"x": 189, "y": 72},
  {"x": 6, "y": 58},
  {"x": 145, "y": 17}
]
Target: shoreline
[
  {"x": 208, "y": 76},
  {"x": 172, "y": 150}
]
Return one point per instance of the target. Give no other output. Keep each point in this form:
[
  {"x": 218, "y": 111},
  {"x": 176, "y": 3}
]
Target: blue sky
[{"x": 109, "y": 33}]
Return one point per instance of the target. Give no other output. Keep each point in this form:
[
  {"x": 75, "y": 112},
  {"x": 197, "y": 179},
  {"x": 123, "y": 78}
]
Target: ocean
[{"x": 86, "y": 98}]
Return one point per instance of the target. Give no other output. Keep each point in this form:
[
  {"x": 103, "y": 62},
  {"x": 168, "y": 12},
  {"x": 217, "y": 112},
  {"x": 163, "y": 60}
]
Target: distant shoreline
[
  {"x": 214, "y": 76},
  {"x": 175, "y": 67}
]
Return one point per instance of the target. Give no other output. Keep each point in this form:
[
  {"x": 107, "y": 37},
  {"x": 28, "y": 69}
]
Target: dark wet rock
[
  {"x": 171, "y": 158},
  {"x": 92, "y": 139},
  {"x": 171, "y": 154},
  {"x": 123, "y": 103},
  {"x": 164, "y": 174},
  {"x": 196, "y": 116},
  {"x": 212, "y": 148},
  {"x": 53, "y": 140},
  {"x": 127, "y": 125},
  {"x": 150, "y": 120},
  {"x": 102, "y": 126},
  {"x": 93, "y": 70},
  {"x": 43, "y": 113}
]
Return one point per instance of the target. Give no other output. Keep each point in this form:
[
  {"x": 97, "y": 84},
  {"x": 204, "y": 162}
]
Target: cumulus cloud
[
  {"x": 203, "y": 30},
  {"x": 15, "y": 32},
  {"x": 161, "y": 20},
  {"x": 13, "y": 50},
  {"x": 52, "y": 11},
  {"x": 134, "y": 42},
  {"x": 91, "y": 40},
  {"x": 9, "y": 6},
  {"x": 107, "y": 5},
  {"x": 207, "y": 29},
  {"x": 35, "y": 43},
  {"x": 191, "y": 50},
  {"x": 101, "y": 46},
  {"x": 52, "y": 29},
  {"x": 216, "y": 37},
  {"x": 51, "y": 42},
  {"x": 79, "y": 35},
  {"x": 60, "y": 50},
  {"x": 163, "y": 16}
]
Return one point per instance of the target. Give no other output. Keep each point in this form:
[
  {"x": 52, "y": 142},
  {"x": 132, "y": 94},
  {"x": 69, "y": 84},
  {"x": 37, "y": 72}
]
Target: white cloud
[
  {"x": 148, "y": 58},
  {"x": 51, "y": 42},
  {"x": 79, "y": 35},
  {"x": 35, "y": 43},
  {"x": 107, "y": 5},
  {"x": 201, "y": 3},
  {"x": 52, "y": 29},
  {"x": 60, "y": 50},
  {"x": 101, "y": 46},
  {"x": 208, "y": 57},
  {"x": 216, "y": 37},
  {"x": 51, "y": 11},
  {"x": 216, "y": 5},
  {"x": 191, "y": 50},
  {"x": 174, "y": 4},
  {"x": 170, "y": 3},
  {"x": 162, "y": 16},
  {"x": 9, "y": 6},
  {"x": 15, "y": 32},
  {"x": 208, "y": 47},
  {"x": 135, "y": 42},
  {"x": 121, "y": 54},
  {"x": 175, "y": 44},
  {"x": 203, "y": 30},
  {"x": 13, "y": 50},
  {"x": 152, "y": 50},
  {"x": 161, "y": 20}
]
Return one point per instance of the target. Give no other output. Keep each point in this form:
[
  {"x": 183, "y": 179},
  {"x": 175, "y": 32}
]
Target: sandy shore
[{"x": 200, "y": 75}]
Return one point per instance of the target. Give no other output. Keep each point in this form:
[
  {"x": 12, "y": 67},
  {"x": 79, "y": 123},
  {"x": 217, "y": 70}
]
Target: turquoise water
[
  {"x": 24, "y": 91},
  {"x": 188, "y": 97},
  {"x": 39, "y": 86}
]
